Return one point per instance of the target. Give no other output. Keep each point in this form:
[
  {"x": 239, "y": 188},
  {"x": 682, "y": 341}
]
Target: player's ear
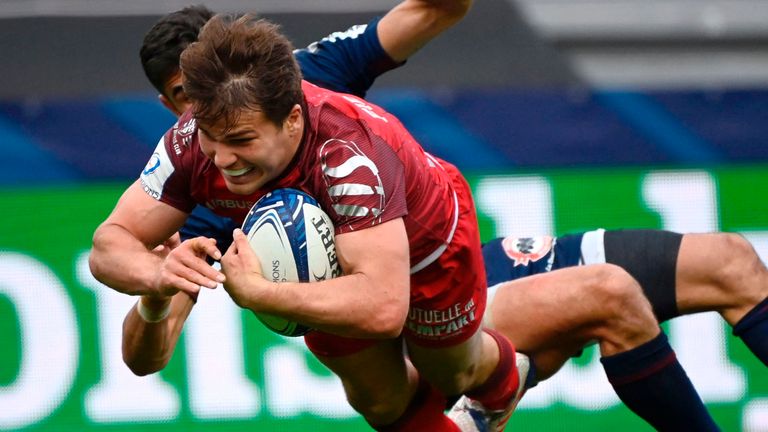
[
  {"x": 295, "y": 121},
  {"x": 167, "y": 103}
]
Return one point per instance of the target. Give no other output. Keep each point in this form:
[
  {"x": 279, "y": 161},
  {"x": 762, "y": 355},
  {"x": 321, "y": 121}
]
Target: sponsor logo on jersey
[
  {"x": 187, "y": 128},
  {"x": 151, "y": 192},
  {"x": 523, "y": 250},
  {"x": 228, "y": 204},
  {"x": 441, "y": 323},
  {"x": 185, "y": 133},
  {"x": 356, "y": 187},
  {"x": 152, "y": 165},
  {"x": 157, "y": 171},
  {"x": 364, "y": 107}
]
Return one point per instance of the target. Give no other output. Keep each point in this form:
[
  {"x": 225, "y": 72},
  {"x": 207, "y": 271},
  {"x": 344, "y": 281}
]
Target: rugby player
[
  {"x": 477, "y": 362},
  {"x": 611, "y": 294}
]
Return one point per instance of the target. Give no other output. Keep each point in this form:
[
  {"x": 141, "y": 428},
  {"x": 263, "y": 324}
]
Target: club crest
[{"x": 523, "y": 250}]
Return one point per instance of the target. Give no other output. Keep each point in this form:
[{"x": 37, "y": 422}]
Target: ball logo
[
  {"x": 277, "y": 276},
  {"x": 523, "y": 250},
  {"x": 270, "y": 219},
  {"x": 326, "y": 235}
]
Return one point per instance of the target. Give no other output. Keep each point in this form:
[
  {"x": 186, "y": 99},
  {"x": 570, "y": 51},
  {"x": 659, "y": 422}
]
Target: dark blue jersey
[{"x": 347, "y": 62}]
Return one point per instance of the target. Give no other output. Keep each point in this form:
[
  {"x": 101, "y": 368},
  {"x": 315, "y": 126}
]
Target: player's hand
[
  {"x": 185, "y": 267},
  {"x": 243, "y": 270},
  {"x": 164, "y": 249}
]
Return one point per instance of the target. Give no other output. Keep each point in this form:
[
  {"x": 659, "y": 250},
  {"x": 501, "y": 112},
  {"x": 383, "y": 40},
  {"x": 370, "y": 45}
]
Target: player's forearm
[
  {"x": 149, "y": 340},
  {"x": 451, "y": 9},
  {"x": 444, "y": 12},
  {"x": 413, "y": 23},
  {"x": 351, "y": 306},
  {"x": 121, "y": 262}
]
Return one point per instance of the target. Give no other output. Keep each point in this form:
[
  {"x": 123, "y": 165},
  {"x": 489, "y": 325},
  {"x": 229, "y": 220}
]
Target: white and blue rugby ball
[{"x": 293, "y": 239}]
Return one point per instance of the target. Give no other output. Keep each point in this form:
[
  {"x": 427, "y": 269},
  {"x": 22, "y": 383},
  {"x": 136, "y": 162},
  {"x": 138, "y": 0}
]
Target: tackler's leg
[
  {"x": 567, "y": 309},
  {"x": 722, "y": 272}
]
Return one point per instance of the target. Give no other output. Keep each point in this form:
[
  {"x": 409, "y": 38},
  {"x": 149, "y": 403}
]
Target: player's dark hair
[
  {"x": 241, "y": 63},
  {"x": 165, "y": 41}
]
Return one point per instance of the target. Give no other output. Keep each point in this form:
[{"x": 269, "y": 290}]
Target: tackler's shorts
[{"x": 649, "y": 256}]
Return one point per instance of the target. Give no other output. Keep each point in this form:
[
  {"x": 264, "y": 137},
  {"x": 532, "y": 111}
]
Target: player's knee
[
  {"x": 617, "y": 290},
  {"x": 453, "y": 376},
  {"x": 625, "y": 318},
  {"x": 376, "y": 410},
  {"x": 456, "y": 383},
  {"x": 624, "y": 308}
]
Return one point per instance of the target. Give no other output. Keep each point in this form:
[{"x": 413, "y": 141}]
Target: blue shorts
[
  {"x": 512, "y": 257},
  {"x": 649, "y": 256}
]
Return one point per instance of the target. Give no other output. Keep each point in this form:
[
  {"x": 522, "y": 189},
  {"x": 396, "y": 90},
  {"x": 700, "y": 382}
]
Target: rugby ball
[{"x": 293, "y": 239}]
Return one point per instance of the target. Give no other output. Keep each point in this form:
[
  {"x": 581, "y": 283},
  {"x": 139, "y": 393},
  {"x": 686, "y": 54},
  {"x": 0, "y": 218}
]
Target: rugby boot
[{"x": 471, "y": 416}]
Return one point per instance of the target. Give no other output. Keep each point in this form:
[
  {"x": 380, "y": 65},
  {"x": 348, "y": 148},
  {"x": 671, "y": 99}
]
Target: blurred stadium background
[{"x": 565, "y": 114}]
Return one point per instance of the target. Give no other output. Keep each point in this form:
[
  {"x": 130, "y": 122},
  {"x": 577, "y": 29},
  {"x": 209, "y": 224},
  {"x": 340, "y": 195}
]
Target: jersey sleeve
[
  {"x": 348, "y": 61},
  {"x": 165, "y": 177},
  {"x": 365, "y": 183}
]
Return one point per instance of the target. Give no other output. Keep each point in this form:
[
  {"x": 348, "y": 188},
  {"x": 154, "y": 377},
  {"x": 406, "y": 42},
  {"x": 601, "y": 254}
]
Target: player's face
[
  {"x": 254, "y": 151},
  {"x": 173, "y": 96}
]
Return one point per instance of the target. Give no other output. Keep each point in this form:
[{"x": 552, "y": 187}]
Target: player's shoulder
[
  {"x": 359, "y": 40},
  {"x": 345, "y": 104},
  {"x": 348, "y": 61},
  {"x": 342, "y": 38},
  {"x": 180, "y": 137},
  {"x": 327, "y": 104}
]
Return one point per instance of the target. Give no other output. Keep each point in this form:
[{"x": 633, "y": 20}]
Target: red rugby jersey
[{"x": 358, "y": 161}]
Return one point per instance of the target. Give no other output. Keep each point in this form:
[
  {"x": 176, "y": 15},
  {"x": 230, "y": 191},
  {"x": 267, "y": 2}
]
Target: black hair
[{"x": 165, "y": 41}]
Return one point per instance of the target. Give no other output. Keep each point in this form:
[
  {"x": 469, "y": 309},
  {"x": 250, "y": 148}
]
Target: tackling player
[{"x": 536, "y": 280}]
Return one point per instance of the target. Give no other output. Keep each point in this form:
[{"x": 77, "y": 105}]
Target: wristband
[{"x": 151, "y": 315}]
